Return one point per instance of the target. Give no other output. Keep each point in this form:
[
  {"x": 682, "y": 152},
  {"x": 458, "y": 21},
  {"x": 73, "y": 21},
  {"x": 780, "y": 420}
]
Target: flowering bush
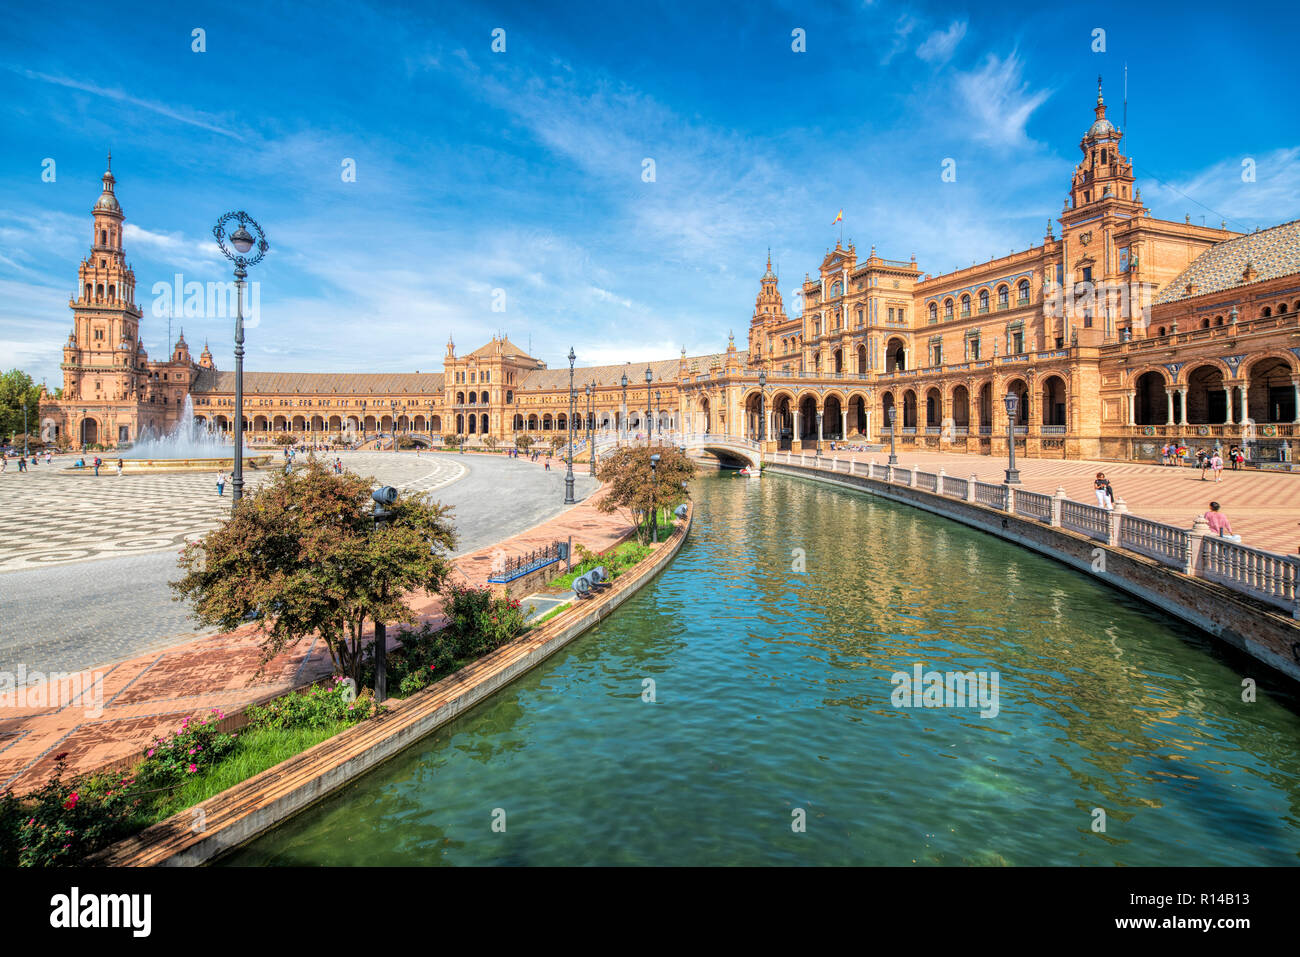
[
  {"x": 478, "y": 620},
  {"x": 196, "y": 745},
  {"x": 317, "y": 707},
  {"x": 66, "y": 820}
]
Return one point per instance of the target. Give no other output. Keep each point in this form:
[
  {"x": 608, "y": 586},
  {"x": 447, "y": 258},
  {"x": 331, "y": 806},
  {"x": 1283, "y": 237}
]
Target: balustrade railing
[
  {"x": 1164, "y": 543},
  {"x": 994, "y": 496},
  {"x": 1267, "y": 576},
  {"x": 956, "y": 487},
  {"x": 1088, "y": 520},
  {"x": 1034, "y": 505}
]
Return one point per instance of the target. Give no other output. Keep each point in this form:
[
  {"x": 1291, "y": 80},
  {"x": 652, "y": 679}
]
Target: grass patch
[
  {"x": 616, "y": 562},
  {"x": 254, "y": 751},
  {"x": 551, "y": 614}
]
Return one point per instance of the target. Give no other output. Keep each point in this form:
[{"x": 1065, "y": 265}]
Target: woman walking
[
  {"x": 1105, "y": 494},
  {"x": 221, "y": 483},
  {"x": 1216, "y": 463},
  {"x": 119, "y": 468}
]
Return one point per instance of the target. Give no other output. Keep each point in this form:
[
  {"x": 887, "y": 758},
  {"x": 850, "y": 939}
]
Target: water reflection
[{"x": 773, "y": 694}]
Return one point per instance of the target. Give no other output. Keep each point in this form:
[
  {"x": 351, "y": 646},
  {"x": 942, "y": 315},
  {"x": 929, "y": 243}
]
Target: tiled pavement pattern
[
  {"x": 127, "y": 704},
  {"x": 50, "y": 519},
  {"x": 1263, "y": 507}
]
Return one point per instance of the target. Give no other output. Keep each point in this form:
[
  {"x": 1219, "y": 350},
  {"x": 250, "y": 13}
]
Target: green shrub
[
  {"x": 194, "y": 747},
  {"x": 479, "y": 621},
  {"x": 315, "y": 707}
]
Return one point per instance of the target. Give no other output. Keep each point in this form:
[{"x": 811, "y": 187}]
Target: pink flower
[
  {"x": 192, "y": 768},
  {"x": 150, "y": 754},
  {"x": 71, "y": 802}
]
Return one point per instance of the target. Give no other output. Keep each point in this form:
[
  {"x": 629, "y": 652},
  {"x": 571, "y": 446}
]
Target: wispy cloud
[
  {"x": 998, "y": 101},
  {"x": 940, "y": 45},
  {"x": 192, "y": 118}
]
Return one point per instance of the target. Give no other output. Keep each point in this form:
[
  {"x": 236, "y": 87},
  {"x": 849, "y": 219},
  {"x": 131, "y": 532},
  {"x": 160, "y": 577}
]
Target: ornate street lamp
[
  {"x": 591, "y": 429},
  {"x": 762, "y": 406},
  {"x": 1011, "y": 400},
  {"x": 24, "y": 430},
  {"x": 654, "y": 509},
  {"x": 649, "y": 425},
  {"x": 625, "y": 405},
  {"x": 893, "y": 459},
  {"x": 658, "y": 413},
  {"x": 243, "y": 241},
  {"x": 568, "y": 475}
]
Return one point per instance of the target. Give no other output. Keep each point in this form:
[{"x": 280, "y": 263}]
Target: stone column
[
  {"x": 1132, "y": 408},
  {"x": 1295, "y": 389},
  {"x": 844, "y": 422},
  {"x": 1169, "y": 405},
  {"x": 1245, "y": 404},
  {"x": 1182, "y": 406},
  {"x": 1200, "y": 528},
  {"x": 1227, "y": 391},
  {"x": 866, "y": 431}
]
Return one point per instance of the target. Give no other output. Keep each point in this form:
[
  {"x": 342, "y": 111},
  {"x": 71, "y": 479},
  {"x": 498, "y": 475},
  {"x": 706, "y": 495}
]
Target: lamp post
[
  {"x": 893, "y": 459},
  {"x": 568, "y": 475},
  {"x": 591, "y": 428},
  {"x": 243, "y": 241},
  {"x": 24, "y": 429},
  {"x": 625, "y": 404},
  {"x": 654, "y": 509},
  {"x": 1011, "y": 400},
  {"x": 762, "y": 407},
  {"x": 382, "y": 497},
  {"x": 658, "y": 414},
  {"x": 649, "y": 425}
]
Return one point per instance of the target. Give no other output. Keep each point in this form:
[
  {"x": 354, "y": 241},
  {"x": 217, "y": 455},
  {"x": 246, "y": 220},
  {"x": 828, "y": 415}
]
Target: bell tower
[
  {"x": 1103, "y": 174},
  {"x": 768, "y": 312},
  {"x": 102, "y": 360}
]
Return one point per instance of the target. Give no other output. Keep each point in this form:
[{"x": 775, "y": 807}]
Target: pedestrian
[
  {"x": 1164, "y": 454},
  {"x": 1239, "y": 460},
  {"x": 22, "y": 464},
  {"x": 1216, "y": 463},
  {"x": 48, "y": 456},
  {"x": 4, "y": 463},
  {"x": 221, "y": 484},
  {"x": 1105, "y": 494},
  {"x": 1203, "y": 460},
  {"x": 98, "y": 461},
  {"x": 1219, "y": 523},
  {"x": 119, "y": 468}
]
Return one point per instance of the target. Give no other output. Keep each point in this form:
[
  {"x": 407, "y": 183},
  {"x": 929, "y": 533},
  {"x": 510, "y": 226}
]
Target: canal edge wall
[
  {"x": 223, "y": 822},
  {"x": 1246, "y": 625}
]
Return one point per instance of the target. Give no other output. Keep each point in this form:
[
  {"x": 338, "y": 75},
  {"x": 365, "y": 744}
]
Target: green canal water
[{"x": 773, "y": 702}]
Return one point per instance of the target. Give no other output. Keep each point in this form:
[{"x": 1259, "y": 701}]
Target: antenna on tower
[
  {"x": 1123, "y": 130},
  {"x": 169, "y": 329}
]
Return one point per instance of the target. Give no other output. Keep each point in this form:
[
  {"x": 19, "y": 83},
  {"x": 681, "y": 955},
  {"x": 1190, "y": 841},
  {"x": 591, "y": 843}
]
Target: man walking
[{"x": 221, "y": 484}]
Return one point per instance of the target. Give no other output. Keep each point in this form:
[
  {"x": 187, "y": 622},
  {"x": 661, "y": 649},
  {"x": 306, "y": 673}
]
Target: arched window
[
  {"x": 1281, "y": 308},
  {"x": 934, "y": 313},
  {"x": 1266, "y": 313},
  {"x": 947, "y": 308},
  {"x": 836, "y": 289},
  {"x": 965, "y": 305},
  {"x": 1022, "y": 292},
  {"x": 984, "y": 300},
  {"x": 103, "y": 237},
  {"x": 1002, "y": 297},
  {"x": 859, "y": 317}
]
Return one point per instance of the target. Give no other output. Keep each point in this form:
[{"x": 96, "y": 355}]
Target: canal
[{"x": 769, "y": 648}]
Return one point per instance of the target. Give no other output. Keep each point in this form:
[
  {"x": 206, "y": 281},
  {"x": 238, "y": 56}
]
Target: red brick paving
[{"x": 133, "y": 701}]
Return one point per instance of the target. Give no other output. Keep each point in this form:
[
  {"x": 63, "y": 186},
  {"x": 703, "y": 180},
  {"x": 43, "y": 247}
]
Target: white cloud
[
  {"x": 903, "y": 28},
  {"x": 1218, "y": 192},
  {"x": 201, "y": 120},
  {"x": 938, "y": 47},
  {"x": 997, "y": 102}
]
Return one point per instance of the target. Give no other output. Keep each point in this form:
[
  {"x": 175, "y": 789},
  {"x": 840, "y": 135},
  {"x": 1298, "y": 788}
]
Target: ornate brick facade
[{"x": 1118, "y": 335}]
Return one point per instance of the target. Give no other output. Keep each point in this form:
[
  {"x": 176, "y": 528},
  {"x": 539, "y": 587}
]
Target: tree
[
  {"x": 490, "y": 441},
  {"x": 523, "y": 442},
  {"x": 557, "y": 441},
  {"x": 16, "y": 387},
  {"x": 451, "y": 440},
  {"x": 637, "y": 489},
  {"x": 301, "y": 555}
]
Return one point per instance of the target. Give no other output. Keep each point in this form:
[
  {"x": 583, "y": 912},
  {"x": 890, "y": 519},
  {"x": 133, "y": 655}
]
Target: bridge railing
[{"x": 1267, "y": 577}]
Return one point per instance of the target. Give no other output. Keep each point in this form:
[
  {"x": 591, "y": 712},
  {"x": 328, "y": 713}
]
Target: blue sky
[{"x": 522, "y": 170}]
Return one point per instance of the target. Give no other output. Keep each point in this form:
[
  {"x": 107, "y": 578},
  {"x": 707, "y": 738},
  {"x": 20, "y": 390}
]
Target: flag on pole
[{"x": 839, "y": 218}]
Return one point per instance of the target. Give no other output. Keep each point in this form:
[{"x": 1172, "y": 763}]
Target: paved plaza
[
  {"x": 114, "y": 711},
  {"x": 1264, "y": 507},
  {"x": 81, "y": 587}
]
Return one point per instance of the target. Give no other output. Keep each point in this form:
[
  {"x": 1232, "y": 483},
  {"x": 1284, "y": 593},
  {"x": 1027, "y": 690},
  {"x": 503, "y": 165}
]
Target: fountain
[{"x": 189, "y": 447}]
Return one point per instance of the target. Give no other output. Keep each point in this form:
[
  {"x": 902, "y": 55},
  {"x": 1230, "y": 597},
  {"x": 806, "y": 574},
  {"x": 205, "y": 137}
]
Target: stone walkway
[
  {"x": 111, "y": 713},
  {"x": 1264, "y": 507}
]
